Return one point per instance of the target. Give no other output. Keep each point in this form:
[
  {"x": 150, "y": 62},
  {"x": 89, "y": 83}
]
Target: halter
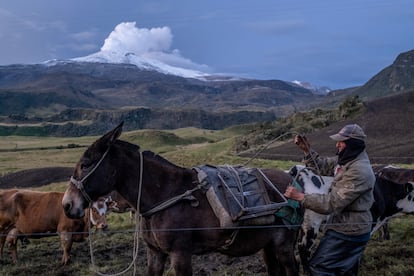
[{"x": 79, "y": 183}]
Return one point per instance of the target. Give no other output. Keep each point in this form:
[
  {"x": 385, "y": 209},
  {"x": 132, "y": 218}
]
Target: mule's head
[{"x": 94, "y": 175}]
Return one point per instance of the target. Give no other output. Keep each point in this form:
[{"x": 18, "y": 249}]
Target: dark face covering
[{"x": 353, "y": 148}]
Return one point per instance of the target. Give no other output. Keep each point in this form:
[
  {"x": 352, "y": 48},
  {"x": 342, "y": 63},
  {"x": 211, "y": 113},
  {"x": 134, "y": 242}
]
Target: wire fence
[
  {"x": 113, "y": 251},
  {"x": 186, "y": 229}
]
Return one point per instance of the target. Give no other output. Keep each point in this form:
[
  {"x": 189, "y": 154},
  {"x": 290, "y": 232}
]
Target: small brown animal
[{"x": 31, "y": 214}]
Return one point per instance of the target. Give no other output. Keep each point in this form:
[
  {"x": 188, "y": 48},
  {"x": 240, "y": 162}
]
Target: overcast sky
[{"x": 334, "y": 43}]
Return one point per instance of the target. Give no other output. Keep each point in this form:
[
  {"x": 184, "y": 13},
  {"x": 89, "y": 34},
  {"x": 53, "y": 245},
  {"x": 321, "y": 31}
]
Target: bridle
[
  {"x": 79, "y": 183},
  {"x": 187, "y": 195}
]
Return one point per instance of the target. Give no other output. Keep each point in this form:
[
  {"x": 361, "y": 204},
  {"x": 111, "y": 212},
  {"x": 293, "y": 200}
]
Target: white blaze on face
[
  {"x": 407, "y": 203},
  {"x": 98, "y": 213}
]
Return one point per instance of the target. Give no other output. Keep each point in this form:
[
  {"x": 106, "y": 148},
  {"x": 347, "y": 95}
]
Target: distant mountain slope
[
  {"x": 103, "y": 85},
  {"x": 396, "y": 78},
  {"x": 40, "y": 93},
  {"x": 387, "y": 122}
]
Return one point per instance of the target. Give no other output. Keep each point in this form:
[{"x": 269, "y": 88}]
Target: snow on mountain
[
  {"x": 141, "y": 62},
  {"x": 322, "y": 90}
]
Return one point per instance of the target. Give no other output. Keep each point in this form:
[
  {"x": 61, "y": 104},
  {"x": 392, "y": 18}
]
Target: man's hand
[
  {"x": 302, "y": 143},
  {"x": 294, "y": 194}
]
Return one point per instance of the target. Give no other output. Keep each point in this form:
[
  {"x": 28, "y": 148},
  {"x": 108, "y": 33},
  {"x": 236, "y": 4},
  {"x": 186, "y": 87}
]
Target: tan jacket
[{"x": 350, "y": 197}]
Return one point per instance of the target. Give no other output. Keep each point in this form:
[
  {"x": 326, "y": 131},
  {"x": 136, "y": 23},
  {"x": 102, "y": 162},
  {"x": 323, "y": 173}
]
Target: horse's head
[{"x": 93, "y": 175}]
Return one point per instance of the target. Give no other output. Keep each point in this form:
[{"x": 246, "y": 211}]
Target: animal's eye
[
  {"x": 85, "y": 164},
  {"x": 408, "y": 187}
]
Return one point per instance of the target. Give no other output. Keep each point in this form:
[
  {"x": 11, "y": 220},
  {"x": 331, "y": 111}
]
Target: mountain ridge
[{"x": 43, "y": 92}]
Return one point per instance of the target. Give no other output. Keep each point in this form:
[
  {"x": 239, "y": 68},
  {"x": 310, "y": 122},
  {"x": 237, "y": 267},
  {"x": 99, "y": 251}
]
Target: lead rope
[
  {"x": 267, "y": 145},
  {"x": 137, "y": 231},
  {"x": 138, "y": 216},
  {"x": 314, "y": 161},
  {"x": 278, "y": 138}
]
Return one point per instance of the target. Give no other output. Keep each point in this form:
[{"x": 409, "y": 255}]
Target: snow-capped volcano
[
  {"x": 147, "y": 49},
  {"x": 141, "y": 62},
  {"x": 150, "y": 49}
]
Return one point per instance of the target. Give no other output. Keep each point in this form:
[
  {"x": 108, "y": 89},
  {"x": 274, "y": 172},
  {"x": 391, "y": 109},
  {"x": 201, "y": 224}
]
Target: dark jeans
[{"x": 338, "y": 254}]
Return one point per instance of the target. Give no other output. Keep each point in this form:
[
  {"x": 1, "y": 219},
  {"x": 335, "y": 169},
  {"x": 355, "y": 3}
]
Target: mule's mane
[
  {"x": 129, "y": 147},
  {"x": 159, "y": 158}
]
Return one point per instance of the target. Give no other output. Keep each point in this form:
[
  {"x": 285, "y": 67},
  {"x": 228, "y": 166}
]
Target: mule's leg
[
  {"x": 66, "y": 243},
  {"x": 273, "y": 267},
  {"x": 181, "y": 262},
  {"x": 155, "y": 262}
]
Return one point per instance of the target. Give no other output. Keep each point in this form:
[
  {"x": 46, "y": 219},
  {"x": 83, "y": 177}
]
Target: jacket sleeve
[{"x": 346, "y": 188}]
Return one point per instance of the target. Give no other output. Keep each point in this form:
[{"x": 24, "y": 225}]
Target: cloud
[
  {"x": 154, "y": 43},
  {"x": 126, "y": 37}
]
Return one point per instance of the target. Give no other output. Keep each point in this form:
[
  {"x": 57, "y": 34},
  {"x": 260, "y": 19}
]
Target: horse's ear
[{"x": 114, "y": 134}]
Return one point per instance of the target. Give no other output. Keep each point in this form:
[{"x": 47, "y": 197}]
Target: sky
[{"x": 331, "y": 43}]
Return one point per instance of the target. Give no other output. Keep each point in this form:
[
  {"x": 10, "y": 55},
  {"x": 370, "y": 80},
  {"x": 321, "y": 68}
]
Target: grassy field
[
  {"x": 185, "y": 147},
  {"x": 113, "y": 249}
]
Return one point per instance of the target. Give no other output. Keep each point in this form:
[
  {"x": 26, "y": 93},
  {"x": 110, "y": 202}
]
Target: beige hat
[{"x": 349, "y": 131}]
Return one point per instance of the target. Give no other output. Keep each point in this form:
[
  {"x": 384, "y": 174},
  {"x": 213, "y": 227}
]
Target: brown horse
[{"x": 179, "y": 229}]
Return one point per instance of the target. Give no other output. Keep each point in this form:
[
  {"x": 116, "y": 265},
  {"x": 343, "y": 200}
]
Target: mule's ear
[
  {"x": 114, "y": 134},
  {"x": 117, "y": 131}
]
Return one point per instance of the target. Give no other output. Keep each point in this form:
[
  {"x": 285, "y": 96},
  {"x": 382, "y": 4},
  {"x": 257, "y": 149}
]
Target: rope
[
  {"x": 186, "y": 195},
  {"x": 267, "y": 145},
  {"x": 136, "y": 232}
]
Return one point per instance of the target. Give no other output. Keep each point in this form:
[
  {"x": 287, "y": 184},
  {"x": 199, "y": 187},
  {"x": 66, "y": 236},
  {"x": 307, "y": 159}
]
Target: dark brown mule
[{"x": 179, "y": 230}]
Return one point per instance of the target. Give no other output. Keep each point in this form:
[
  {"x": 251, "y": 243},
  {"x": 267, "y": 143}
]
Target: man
[{"x": 348, "y": 202}]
